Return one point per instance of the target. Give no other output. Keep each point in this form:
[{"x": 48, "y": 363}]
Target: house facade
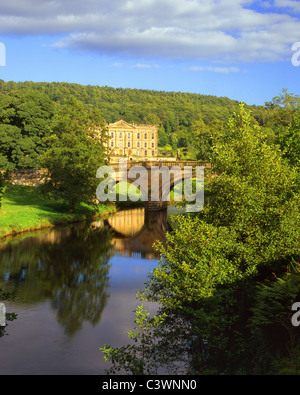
[{"x": 133, "y": 141}]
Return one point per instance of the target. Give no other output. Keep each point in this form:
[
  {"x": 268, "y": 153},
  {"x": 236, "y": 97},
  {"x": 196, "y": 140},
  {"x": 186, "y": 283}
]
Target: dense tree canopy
[
  {"x": 75, "y": 152},
  {"x": 285, "y": 119},
  {"x": 25, "y": 119},
  {"x": 252, "y": 218},
  {"x": 176, "y": 114},
  {"x": 185, "y": 120}
]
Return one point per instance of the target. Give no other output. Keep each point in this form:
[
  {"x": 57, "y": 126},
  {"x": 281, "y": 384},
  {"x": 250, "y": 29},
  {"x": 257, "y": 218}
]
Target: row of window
[
  {"x": 112, "y": 135},
  {"x": 129, "y": 144},
  {"x": 139, "y": 153}
]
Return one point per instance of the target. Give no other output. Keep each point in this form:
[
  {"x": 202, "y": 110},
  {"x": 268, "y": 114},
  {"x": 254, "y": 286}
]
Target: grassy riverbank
[{"x": 25, "y": 209}]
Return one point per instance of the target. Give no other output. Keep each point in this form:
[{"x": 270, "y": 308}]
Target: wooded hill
[{"x": 27, "y": 109}]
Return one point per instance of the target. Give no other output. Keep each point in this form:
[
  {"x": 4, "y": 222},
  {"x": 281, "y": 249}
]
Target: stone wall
[{"x": 27, "y": 177}]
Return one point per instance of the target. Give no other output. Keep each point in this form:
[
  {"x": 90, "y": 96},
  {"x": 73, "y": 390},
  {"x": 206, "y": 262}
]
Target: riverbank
[{"x": 24, "y": 209}]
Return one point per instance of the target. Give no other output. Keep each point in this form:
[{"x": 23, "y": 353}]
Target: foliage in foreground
[
  {"x": 144, "y": 356},
  {"x": 240, "y": 330},
  {"x": 231, "y": 273}
]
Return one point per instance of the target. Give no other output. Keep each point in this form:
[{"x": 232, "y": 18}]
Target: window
[
  {"x": 152, "y": 135},
  {"x": 112, "y": 144},
  {"x": 145, "y": 152},
  {"x": 145, "y": 135},
  {"x": 138, "y": 144},
  {"x": 129, "y": 135},
  {"x": 138, "y": 135},
  {"x": 120, "y": 143},
  {"x": 120, "y": 135},
  {"x": 152, "y": 145},
  {"x": 112, "y": 135},
  {"x": 128, "y": 144},
  {"x": 152, "y": 153},
  {"x": 145, "y": 145}
]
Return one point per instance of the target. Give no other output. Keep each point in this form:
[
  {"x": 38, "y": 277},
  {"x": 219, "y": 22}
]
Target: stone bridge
[{"x": 157, "y": 178}]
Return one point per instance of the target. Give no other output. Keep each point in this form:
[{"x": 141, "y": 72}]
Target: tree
[
  {"x": 2, "y": 188},
  {"x": 270, "y": 324},
  {"x": 255, "y": 193},
  {"x": 202, "y": 139},
  {"x": 285, "y": 119},
  {"x": 250, "y": 229},
  {"x": 252, "y": 218},
  {"x": 211, "y": 263},
  {"x": 163, "y": 138},
  {"x": 290, "y": 141},
  {"x": 76, "y": 151},
  {"x": 25, "y": 119}
]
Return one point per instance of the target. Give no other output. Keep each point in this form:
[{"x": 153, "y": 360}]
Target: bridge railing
[{"x": 160, "y": 163}]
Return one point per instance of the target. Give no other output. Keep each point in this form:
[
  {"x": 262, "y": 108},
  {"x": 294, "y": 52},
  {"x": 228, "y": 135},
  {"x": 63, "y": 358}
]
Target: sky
[{"x": 242, "y": 49}]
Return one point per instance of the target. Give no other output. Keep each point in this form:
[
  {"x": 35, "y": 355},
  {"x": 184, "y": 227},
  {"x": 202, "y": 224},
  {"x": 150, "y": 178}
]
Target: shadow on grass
[{"x": 22, "y": 195}]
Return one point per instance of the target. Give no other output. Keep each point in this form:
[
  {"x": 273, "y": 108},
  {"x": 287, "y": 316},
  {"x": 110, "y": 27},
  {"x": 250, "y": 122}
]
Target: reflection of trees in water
[{"x": 71, "y": 270}]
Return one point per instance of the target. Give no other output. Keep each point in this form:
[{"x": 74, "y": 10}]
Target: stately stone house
[{"x": 132, "y": 141}]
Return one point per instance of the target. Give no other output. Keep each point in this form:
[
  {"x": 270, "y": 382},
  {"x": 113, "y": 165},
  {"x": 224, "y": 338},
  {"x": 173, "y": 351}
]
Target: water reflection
[
  {"x": 69, "y": 267},
  {"x": 135, "y": 231},
  {"x": 86, "y": 275}
]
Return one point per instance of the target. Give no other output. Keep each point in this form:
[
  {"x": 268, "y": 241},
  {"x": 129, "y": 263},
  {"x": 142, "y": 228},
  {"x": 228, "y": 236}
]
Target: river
[{"x": 75, "y": 290}]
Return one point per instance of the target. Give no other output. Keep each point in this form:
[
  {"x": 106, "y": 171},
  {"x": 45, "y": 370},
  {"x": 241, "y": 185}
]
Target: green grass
[{"x": 24, "y": 209}]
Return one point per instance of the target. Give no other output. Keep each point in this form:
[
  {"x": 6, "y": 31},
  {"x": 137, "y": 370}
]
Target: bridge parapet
[{"x": 160, "y": 163}]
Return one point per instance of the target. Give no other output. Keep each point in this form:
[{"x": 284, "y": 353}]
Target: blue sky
[{"x": 241, "y": 49}]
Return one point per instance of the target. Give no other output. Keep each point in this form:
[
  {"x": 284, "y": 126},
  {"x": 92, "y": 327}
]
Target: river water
[{"x": 75, "y": 290}]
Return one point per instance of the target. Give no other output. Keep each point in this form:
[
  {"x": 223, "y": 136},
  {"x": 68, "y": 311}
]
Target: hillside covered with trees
[{"x": 185, "y": 120}]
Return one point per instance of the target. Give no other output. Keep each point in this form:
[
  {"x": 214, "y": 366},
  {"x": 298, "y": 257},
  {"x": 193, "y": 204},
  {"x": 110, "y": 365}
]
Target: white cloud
[
  {"x": 293, "y": 5},
  {"x": 145, "y": 66},
  {"x": 117, "y": 64},
  {"x": 223, "y": 70},
  {"x": 223, "y": 30}
]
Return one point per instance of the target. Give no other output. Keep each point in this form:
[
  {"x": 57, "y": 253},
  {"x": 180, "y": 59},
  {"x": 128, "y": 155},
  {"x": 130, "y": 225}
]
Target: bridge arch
[
  {"x": 196, "y": 185},
  {"x": 128, "y": 190},
  {"x": 152, "y": 173}
]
